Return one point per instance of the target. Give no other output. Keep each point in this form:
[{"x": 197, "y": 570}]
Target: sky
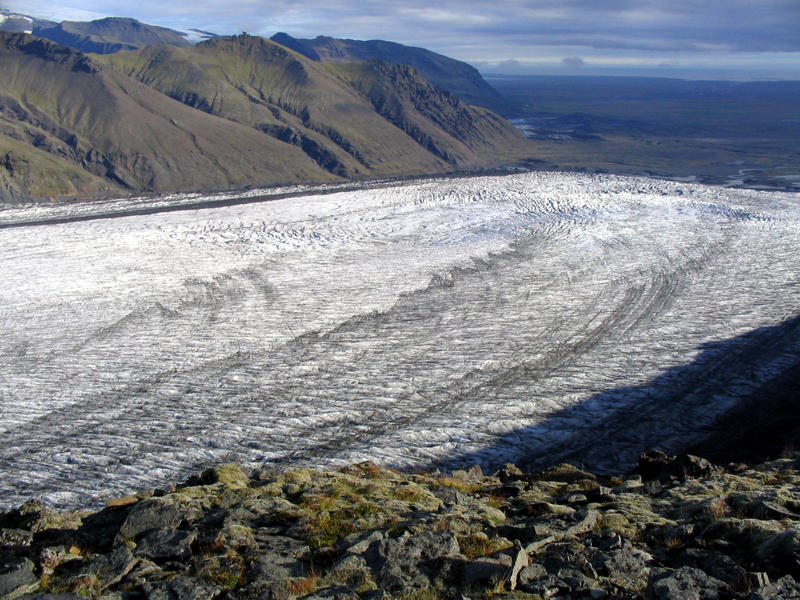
[{"x": 716, "y": 39}]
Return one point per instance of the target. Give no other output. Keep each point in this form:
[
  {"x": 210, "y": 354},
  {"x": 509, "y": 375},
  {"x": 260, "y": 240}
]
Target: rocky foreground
[{"x": 678, "y": 528}]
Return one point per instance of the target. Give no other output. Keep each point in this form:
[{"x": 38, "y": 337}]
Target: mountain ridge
[
  {"x": 328, "y": 108},
  {"x": 229, "y": 112},
  {"x": 108, "y": 35},
  {"x": 114, "y": 34},
  {"x": 458, "y": 77},
  {"x": 120, "y": 133}
]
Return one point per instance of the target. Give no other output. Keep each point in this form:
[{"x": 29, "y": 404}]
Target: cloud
[
  {"x": 522, "y": 30},
  {"x": 573, "y": 62},
  {"x": 510, "y": 65},
  {"x": 506, "y": 67},
  {"x": 737, "y": 25}
]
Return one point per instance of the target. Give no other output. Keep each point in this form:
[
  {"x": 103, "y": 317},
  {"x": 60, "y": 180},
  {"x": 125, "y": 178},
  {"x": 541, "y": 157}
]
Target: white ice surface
[{"x": 445, "y": 321}]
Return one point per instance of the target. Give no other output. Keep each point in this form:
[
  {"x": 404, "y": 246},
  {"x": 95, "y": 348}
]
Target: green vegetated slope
[
  {"x": 452, "y": 130},
  {"x": 107, "y": 35},
  {"x": 227, "y": 113},
  {"x": 101, "y": 129},
  {"x": 366, "y": 118},
  {"x": 459, "y": 78},
  {"x": 27, "y": 171},
  {"x": 264, "y": 86}
]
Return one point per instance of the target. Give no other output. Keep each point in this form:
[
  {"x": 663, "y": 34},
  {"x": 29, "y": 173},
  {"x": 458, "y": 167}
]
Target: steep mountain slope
[
  {"x": 463, "y": 134},
  {"x": 107, "y": 35},
  {"x": 351, "y": 119},
  {"x": 459, "y": 78},
  {"x": 68, "y": 124},
  {"x": 229, "y": 112},
  {"x": 29, "y": 171}
]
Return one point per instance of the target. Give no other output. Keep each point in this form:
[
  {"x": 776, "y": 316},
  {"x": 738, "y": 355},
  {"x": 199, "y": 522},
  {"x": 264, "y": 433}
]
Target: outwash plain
[{"x": 534, "y": 317}]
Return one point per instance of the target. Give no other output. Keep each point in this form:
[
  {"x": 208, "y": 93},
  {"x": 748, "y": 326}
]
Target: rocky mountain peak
[{"x": 47, "y": 50}]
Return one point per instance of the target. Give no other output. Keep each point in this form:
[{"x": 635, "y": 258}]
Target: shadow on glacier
[{"x": 737, "y": 399}]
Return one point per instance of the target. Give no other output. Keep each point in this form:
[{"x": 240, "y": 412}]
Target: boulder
[
  {"x": 181, "y": 587},
  {"x": 15, "y": 537},
  {"x": 538, "y": 509},
  {"x": 531, "y": 574},
  {"x": 786, "y": 588},
  {"x": 548, "y": 587},
  {"x": 357, "y": 543},
  {"x": 764, "y": 509},
  {"x": 522, "y": 532},
  {"x": 111, "y": 568},
  {"x": 471, "y": 474},
  {"x": 144, "y": 571},
  {"x": 664, "y": 468},
  {"x": 404, "y": 564},
  {"x": 60, "y": 596},
  {"x": 17, "y": 577},
  {"x": 509, "y": 472},
  {"x": 339, "y": 592},
  {"x": 782, "y": 552},
  {"x": 271, "y": 511},
  {"x": 166, "y": 544},
  {"x": 353, "y": 572},
  {"x": 628, "y": 567},
  {"x": 284, "y": 546},
  {"x": 279, "y": 559},
  {"x": 237, "y": 536},
  {"x": 714, "y": 563},
  {"x": 749, "y": 504},
  {"x": 28, "y": 516},
  {"x": 686, "y": 583},
  {"x": 483, "y": 571},
  {"x": 150, "y": 514},
  {"x": 586, "y": 523},
  {"x": 271, "y": 567},
  {"x": 747, "y": 535},
  {"x": 99, "y": 532},
  {"x": 576, "y": 580},
  {"x": 567, "y": 473},
  {"x": 232, "y": 475}
]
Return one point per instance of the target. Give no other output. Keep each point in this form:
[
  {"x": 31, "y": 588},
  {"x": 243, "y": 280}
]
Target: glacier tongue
[{"x": 439, "y": 322}]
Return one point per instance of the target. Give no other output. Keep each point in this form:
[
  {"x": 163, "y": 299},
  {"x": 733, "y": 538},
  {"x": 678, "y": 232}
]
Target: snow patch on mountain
[
  {"x": 194, "y": 35},
  {"x": 16, "y": 23}
]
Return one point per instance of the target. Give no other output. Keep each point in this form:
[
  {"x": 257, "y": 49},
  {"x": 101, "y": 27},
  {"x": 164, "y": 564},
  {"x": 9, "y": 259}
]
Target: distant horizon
[
  {"x": 687, "y": 39},
  {"x": 489, "y": 75},
  {"x": 516, "y": 69}
]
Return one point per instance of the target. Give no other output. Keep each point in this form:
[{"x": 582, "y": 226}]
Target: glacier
[{"x": 436, "y": 322}]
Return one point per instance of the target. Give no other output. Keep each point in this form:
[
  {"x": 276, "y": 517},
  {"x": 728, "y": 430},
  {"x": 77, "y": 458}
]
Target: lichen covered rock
[{"x": 683, "y": 529}]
